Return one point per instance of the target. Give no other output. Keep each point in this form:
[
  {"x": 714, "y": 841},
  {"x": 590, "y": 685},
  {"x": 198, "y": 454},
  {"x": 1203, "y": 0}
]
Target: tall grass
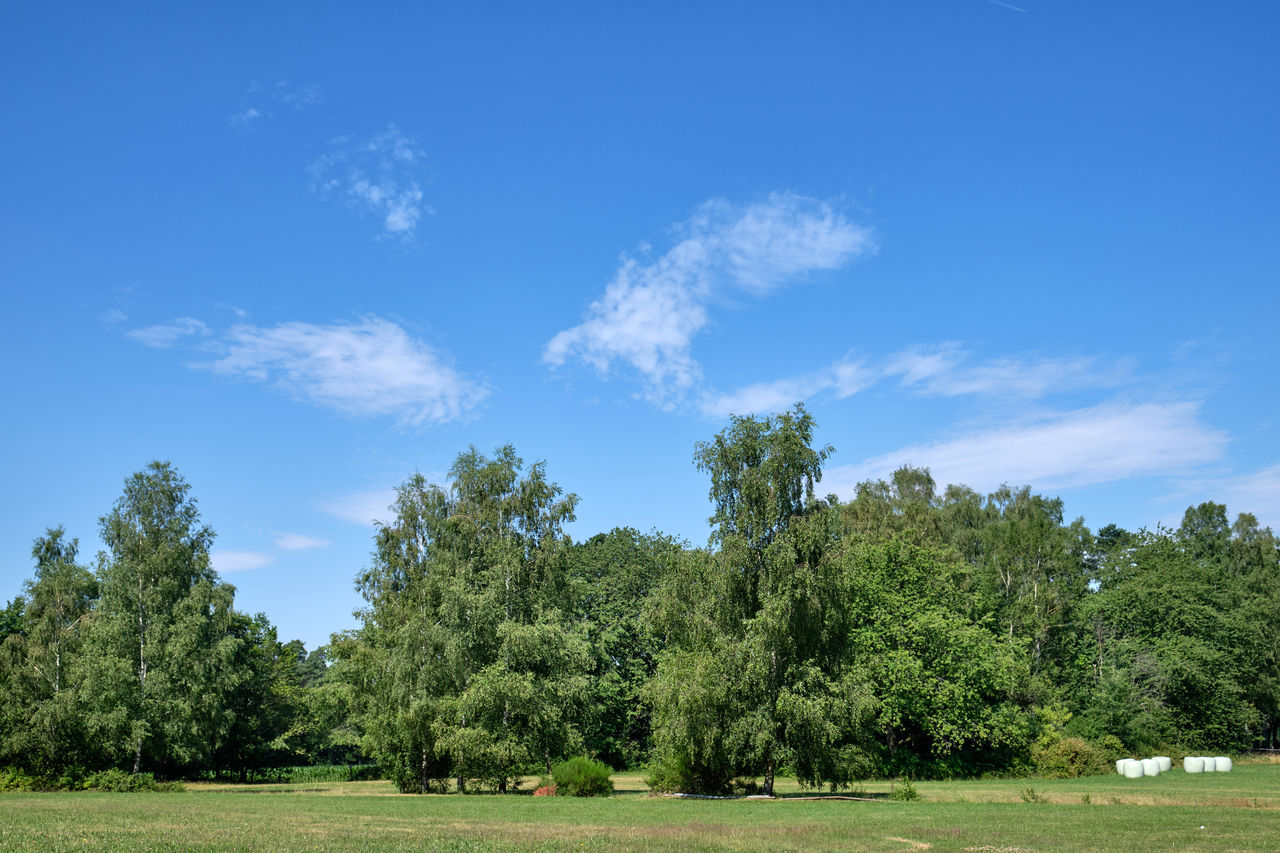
[{"x": 309, "y": 773}]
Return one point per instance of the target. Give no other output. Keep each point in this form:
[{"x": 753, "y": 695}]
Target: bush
[
  {"x": 904, "y": 791},
  {"x": 13, "y": 779},
  {"x": 120, "y": 781},
  {"x": 582, "y": 777},
  {"x": 1067, "y": 758}
]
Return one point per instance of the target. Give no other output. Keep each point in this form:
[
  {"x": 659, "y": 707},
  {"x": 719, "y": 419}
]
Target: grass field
[{"x": 1238, "y": 811}]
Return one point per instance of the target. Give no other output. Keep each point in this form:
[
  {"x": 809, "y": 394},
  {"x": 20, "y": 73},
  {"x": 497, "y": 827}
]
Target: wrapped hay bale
[
  {"x": 1150, "y": 767},
  {"x": 1193, "y": 765},
  {"x": 1165, "y": 762},
  {"x": 1222, "y": 764}
]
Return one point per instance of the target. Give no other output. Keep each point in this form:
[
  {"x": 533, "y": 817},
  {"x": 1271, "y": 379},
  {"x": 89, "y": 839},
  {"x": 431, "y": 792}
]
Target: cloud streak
[
  {"x": 938, "y": 371},
  {"x": 652, "y": 310},
  {"x": 382, "y": 177},
  {"x": 844, "y": 378},
  {"x": 368, "y": 507},
  {"x": 1085, "y": 447},
  {"x": 166, "y": 335},
  {"x": 370, "y": 368},
  {"x": 239, "y": 561},
  {"x": 1257, "y": 492},
  {"x": 298, "y": 542}
]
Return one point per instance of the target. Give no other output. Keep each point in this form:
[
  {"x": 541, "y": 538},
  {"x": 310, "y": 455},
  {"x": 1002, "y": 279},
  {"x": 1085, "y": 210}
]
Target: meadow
[{"x": 1239, "y": 811}]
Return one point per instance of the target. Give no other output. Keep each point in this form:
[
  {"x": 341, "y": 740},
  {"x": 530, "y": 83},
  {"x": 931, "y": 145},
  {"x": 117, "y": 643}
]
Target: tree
[
  {"x": 156, "y": 672},
  {"x": 754, "y": 673},
  {"x": 44, "y": 730},
  {"x": 614, "y": 575},
  {"x": 467, "y": 658}
]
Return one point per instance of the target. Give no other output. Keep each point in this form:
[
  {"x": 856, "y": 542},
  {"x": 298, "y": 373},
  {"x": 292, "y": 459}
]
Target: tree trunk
[{"x": 768, "y": 777}]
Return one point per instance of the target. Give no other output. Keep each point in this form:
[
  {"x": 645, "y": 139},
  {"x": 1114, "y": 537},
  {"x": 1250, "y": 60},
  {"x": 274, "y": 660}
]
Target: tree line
[{"x": 906, "y": 631}]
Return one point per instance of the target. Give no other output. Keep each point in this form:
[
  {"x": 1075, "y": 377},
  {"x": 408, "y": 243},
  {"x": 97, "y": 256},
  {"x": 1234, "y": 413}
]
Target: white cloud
[
  {"x": 382, "y": 177},
  {"x": 939, "y": 372},
  {"x": 651, "y": 311},
  {"x": 1258, "y": 493},
  {"x": 298, "y": 542},
  {"x": 113, "y": 317},
  {"x": 844, "y": 378},
  {"x": 934, "y": 371},
  {"x": 245, "y": 117},
  {"x": 264, "y": 97},
  {"x": 167, "y": 334},
  {"x": 363, "y": 507},
  {"x": 369, "y": 368},
  {"x": 1085, "y": 447},
  {"x": 238, "y": 561}
]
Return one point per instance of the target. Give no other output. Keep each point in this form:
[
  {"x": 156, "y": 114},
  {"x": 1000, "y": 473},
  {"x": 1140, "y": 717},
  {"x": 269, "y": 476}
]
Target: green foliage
[
  {"x": 908, "y": 632},
  {"x": 582, "y": 777},
  {"x": 615, "y": 575},
  {"x": 1031, "y": 795},
  {"x": 1067, "y": 758},
  {"x": 753, "y": 670},
  {"x": 122, "y": 782},
  {"x": 904, "y": 790},
  {"x": 76, "y": 779},
  {"x": 470, "y": 600}
]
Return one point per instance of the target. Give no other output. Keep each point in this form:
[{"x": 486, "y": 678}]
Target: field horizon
[{"x": 1175, "y": 811}]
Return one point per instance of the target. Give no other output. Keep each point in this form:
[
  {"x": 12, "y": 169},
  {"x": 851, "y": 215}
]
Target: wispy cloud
[
  {"x": 650, "y": 313},
  {"x": 166, "y": 335},
  {"x": 382, "y": 176},
  {"x": 369, "y": 368},
  {"x": 239, "y": 561},
  {"x": 264, "y": 97},
  {"x": 844, "y": 378},
  {"x": 1084, "y": 447},
  {"x": 1258, "y": 493},
  {"x": 368, "y": 507},
  {"x": 298, "y": 542},
  {"x": 941, "y": 372},
  {"x": 113, "y": 317}
]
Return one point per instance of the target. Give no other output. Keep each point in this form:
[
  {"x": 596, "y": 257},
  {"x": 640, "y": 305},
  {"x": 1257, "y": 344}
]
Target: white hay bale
[
  {"x": 1210, "y": 764},
  {"x": 1120, "y": 763},
  {"x": 1193, "y": 765},
  {"x": 1133, "y": 769},
  {"x": 1166, "y": 763},
  {"x": 1150, "y": 767},
  {"x": 1222, "y": 764}
]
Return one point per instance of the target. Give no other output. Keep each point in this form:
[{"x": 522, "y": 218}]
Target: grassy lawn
[{"x": 1238, "y": 811}]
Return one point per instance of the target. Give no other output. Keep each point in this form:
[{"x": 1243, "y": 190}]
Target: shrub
[
  {"x": 904, "y": 791},
  {"x": 582, "y": 777},
  {"x": 13, "y": 779},
  {"x": 120, "y": 781},
  {"x": 1066, "y": 758}
]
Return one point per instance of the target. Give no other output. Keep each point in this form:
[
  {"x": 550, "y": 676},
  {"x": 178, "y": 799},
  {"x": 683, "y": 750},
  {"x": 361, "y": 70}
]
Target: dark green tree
[
  {"x": 159, "y": 659},
  {"x": 753, "y": 675}
]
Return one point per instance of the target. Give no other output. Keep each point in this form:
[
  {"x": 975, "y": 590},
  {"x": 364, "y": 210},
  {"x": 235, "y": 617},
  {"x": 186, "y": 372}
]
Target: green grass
[{"x": 1239, "y": 811}]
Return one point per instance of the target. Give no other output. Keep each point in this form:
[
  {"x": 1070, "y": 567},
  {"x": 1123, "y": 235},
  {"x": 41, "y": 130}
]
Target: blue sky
[{"x": 302, "y": 250}]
